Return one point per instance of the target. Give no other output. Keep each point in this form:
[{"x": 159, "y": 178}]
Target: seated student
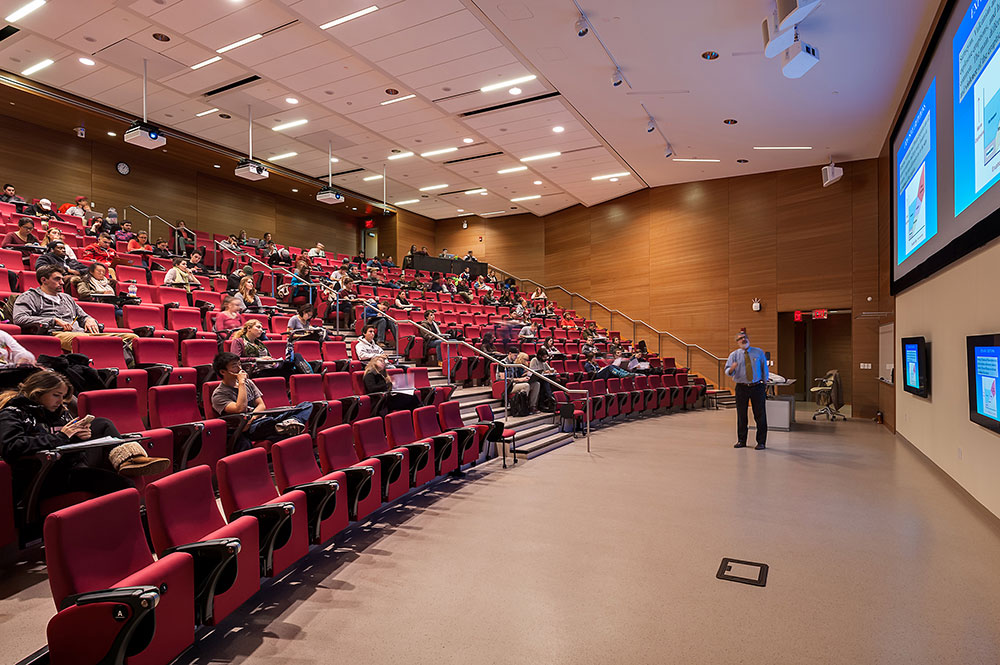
[
  {"x": 541, "y": 391},
  {"x": 184, "y": 238},
  {"x": 180, "y": 275},
  {"x": 377, "y": 380},
  {"x": 445, "y": 254},
  {"x": 25, "y": 234},
  {"x": 590, "y": 365},
  {"x": 232, "y": 243},
  {"x": 237, "y": 394},
  {"x": 230, "y": 317},
  {"x": 247, "y": 296},
  {"x": 276, "y": 256},
  {"x": 34, "y": 419},
  {"x": 550, "y": 347},
  {"x": 588, "y": 346},
  {"x": 196, "y": 265},
  {"x": 301, "y": 285},
  {"x": 403, "y": 300},
  {"x": 124, "y": 234},
  {"x": 423, "y": 251},
  {"x": 101, "y": 251},
  {"x": 161, "y": 249},
  {"x": 57, "y": 255},
  {"x": 375, "y": 315},
  {"x": 528, "y": 332},
  {"x": 95, "y": 283},
  {"x": 488, "y": 345},
  {"x": 365, "y": 348},
  {"x": 425, "y": 328},
  {"x": 140, "y": 242},
  {"x": 248, "y": 342},
  {"x": 318, "y": 252},
  {"x": 43, "y": 209},
  {"x": 300, "y": 326},
  {"x": 77, "y": 209},
  {"x": 469, "y": 257},
  {"x": 538, "y": 294},
  {"x": 518, "y": 379},
  {"x": 236, "y": 277},
  {"x": 55, "y": 312},
  {"x": 9, "y": 195},
  {"x": 638, "y": 365}
]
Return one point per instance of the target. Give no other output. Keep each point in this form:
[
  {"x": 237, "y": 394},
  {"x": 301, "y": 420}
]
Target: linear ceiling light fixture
[
  {"x": 432, "y": 188},
  {"x": 349, "y": 17},
  {"x": 512, "y": 170},
  {"x": 401, "y": 155},
  {"x": 476, "y": 191},
  {"x": 507, "y": 84},
  {"x": 526, "y": 198},
  {"x": 407, "y": 202},
  {"x": 611, "y": 175},
  {"x": 289, "y": 125},
  {"x": 442, "y": 151},
  {"x": 240, "y": 43},
  {"x": 24, "y": 11},
  {"x": 495, "y": 212},
  {"x": 545, "y": 155},
  {"x": 284, "y": 155},
  {"x": 678, "y": 159},
  {"x": 372, "y": 177},
  {"x": 398, "y": 99},
  {"x": 204, "y": 113},
  {"x": 782, "y": 147},
  {"x": 37, "y": 68},
  {"x": 206, "y": 62}
]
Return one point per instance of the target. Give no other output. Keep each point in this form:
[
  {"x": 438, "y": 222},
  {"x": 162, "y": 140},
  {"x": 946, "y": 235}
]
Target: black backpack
[{"x": 517, "y": 404}]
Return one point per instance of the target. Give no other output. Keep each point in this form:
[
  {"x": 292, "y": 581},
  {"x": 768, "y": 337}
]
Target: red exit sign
[
  {"x": 820, "y": 314},
  {"x": 369, "y": 223},
  {"x": 798, "y": 315}
]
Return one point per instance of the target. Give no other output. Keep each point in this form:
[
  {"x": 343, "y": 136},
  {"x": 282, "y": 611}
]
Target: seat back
[
  {"x": 273, "y": 391},
  {"x": 11, "y": 260},
  {"x": 103, "y": 351},
  {"x": 358, "y": 382},
  {"x": 40, "y": 344},
  {"x": 244, "y": 480},
  {"x": 148, "y": 350},
  {"x": 485, "y": 413},
  {"x": 337, "y": 385},
  {"x": 450, "y": 415},
  {"x": 399, "y": 428},
  {"x": 77, "y": 539},
  {"x": 170, "y": 294},
  {"x": 101, "y": 312},
  {"x": 420, "y": 377},
  {"x": 173, "y": 405},
  {"x": 119, "y": 405},
  {"x": 198, "y": 352},
  {"x": 183, "y": 317},
  {"x": 369, "y": 437},
  {"x": 425, "y": 421},
  {"x": 131, "y": 274},
  {"x": 310, "y": 350},
  {"x": 181, "y": 508},
  {"x": 336, "y": 448},
  {"x": 305, "y": 388},
  {"x": 294, "y": 461},
  {"x": 335, "y": 351}
]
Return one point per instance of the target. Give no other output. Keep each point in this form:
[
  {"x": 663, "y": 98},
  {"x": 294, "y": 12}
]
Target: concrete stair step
[{"x": 543, "y": 444}]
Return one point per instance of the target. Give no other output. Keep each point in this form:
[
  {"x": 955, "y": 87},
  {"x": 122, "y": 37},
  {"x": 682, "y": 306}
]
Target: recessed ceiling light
[
  {"x": 204, "y": 113},
  {"x": 507, "y": 84},
  {"x": 467, "y": 140},
  {"x": 334, "y": 160},
  {"x": 349, "y": 17},
  {"x": 397, "y": 99},
  {"x": 353, "y": 208},
  {"x": 291, "y": 100},
  {"x": 407, "y": 202},
  {"x": 160, "y": 37},
  {"x": 289, "y": 125},
  {"x": 742, "y": 161},
  {"x": 526, "y": 198},
  {"x": 461, "y": 210},
  {"x": 400, "y": 155},
  {"x": 442, "y": 151},
  {"x": 546, "y": 155},
  {"x": 730, "y": 121},
  {"x": 559, "y": 129},
  {"x": 515, "y": 91},
  {"x": 206, "y": 62},
  {"x": 432, "y": 188},
  {"x": 242, "y": 42},
  {"x": 610, "y": 175},
  {"x": 782, "y": 147},
  {"x": 112, "y": 134},
  {"x": 495, "y": 212},
  {"x": 475, "y": 191},
  {"x": 372, "y": 177},
  {"x": 224, "y": 116},
  {"x": 37, "y": 68},
  {"x": 710, "y": 55},
  {"x": 284, "y": 155},
  {"x": 678, "y": 159},
  {"x": 483, "y": 193},
  {"x": 514, "y": 169},
  {"x": 218, "y": 166},
  {"x": 612, "y": 179},
  {"x": 538, "y": 182},
  {"x": 295, "y": 191},
  {"x": 24, "y": 11},
  {"x": 87, "y": 61},
  {"x": 391, "y": 91}
]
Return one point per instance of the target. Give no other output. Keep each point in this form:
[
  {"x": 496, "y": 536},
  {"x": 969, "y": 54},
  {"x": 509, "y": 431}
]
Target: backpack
[{"x": 517, "y": 404}]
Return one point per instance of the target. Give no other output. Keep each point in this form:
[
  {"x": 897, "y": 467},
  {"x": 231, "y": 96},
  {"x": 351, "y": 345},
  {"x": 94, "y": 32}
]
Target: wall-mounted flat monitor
[
  {"x": 984, "y": 371},
  {"x": 916, "y": 366}
]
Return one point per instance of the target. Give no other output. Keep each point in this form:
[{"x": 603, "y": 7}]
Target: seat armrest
[
  {"x": 419, "y": 453},
  {"x": 109, "y": 375},
  {"x": 359, "y": 481},
  {"x": 214, "y": 571},
  {"x": 321, "y": 498},
  {"x": 138, "y": 598},
  {"x": 391, "y": 468},
  {"x": 271, "y": 518},
  {"x": 159, "y": 373}
]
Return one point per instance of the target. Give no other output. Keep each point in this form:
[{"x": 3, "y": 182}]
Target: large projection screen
[{"x": 945, "y": 147}]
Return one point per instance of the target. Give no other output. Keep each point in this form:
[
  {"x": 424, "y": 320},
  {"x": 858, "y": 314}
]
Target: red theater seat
[
  {"x": 364, "y": 477},
  {"x": 295, "y": 468},
  {"x": 370, "y": 443}
]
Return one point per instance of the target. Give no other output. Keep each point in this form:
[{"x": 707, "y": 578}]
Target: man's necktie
[{"x": 748, "y": 366}]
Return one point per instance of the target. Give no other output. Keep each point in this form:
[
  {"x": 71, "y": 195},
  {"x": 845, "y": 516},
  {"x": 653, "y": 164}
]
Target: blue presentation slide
[
  {"x": 916, "y": 180},
  {"x": 986, "y": 380},
  {"x": 977, "y": 102},
  {"x": 912, "y": 366}
]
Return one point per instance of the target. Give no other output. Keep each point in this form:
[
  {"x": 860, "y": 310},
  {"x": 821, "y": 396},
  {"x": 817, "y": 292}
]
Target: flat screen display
[
  {"x": 946, "y": 147},
  {"x": 916, "y": 366},
  {"x": 984, "y": 371}
]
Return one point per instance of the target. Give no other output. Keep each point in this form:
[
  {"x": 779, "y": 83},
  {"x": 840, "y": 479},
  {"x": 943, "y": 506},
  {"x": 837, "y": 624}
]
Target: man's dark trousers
[{"x": 753, "y": 395}]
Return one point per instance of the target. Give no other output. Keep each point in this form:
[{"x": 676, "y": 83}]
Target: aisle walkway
[{"x": 611, "y": 558}]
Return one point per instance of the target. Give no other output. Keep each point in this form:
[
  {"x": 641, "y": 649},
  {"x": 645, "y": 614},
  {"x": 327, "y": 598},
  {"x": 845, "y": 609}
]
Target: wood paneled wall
[
  {"x": 56, "y": 165},
  {"x": 411, "y": 229}
]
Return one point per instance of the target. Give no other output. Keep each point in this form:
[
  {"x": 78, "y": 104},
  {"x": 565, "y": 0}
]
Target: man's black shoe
[
  {"x": 759, "y": 446},
  {"x": 740, "y": 445}
]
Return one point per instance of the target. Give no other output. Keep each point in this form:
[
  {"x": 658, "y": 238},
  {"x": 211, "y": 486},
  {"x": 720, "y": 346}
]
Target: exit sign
[
  {"x": 369, "y": 223},
  {"x": 798, "y": 315},
  {"x": 820, "y": 314}
]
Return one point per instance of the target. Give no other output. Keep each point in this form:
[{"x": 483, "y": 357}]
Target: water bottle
[{"x": 133, "y": 290}]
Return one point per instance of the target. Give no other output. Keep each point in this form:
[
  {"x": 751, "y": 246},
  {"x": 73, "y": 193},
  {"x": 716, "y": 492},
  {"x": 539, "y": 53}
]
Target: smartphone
[{"x": 86, "y": 420}]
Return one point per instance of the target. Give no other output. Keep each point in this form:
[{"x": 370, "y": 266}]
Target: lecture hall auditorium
[{"x": 535, "y": 331}]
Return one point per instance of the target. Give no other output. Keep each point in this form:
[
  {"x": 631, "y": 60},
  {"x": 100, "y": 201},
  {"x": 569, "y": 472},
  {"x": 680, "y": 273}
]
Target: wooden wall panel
[
  {"x": 412, "y": 229},
  {"x": 864, "y": 257},
  {"x": 814, "y": 240},
  {"x": 41, "y": 163},
  {"x": 569, "y": 257},
  {"x": 301, "y": 225},
  {"x": 449, "y": 234},
  {"x": 517, "y": 245},
  {"x": 224, "y": 207},
  {"x": 831, "y": 349},
  {"x": 621, "y": 229}
]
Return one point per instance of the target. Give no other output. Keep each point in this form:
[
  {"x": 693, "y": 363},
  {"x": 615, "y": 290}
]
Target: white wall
[{"x": 960, "y": 300}]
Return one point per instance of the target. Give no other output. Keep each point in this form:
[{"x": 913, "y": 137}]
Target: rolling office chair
[{"x": 827, "y": 392}]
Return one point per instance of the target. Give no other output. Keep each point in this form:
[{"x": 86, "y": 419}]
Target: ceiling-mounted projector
[
  {"x": 793, "y": 12},
  {"x": 831, "y": 174},
  {"x": 329, "y": 195},
  {"x": 144, "y": 135},
  {"x": 799, "y": 59},
  {"x": 775, "y": 41},
  {"x": 251, "y": 170}
]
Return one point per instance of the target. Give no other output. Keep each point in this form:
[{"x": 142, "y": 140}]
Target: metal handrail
[
  {"x": 240, "y": 252},
  {"x": 572, "y": 294}
]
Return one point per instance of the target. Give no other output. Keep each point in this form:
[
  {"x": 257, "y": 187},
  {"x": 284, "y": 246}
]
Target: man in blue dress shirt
[{"x": 747, "y": 366}]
